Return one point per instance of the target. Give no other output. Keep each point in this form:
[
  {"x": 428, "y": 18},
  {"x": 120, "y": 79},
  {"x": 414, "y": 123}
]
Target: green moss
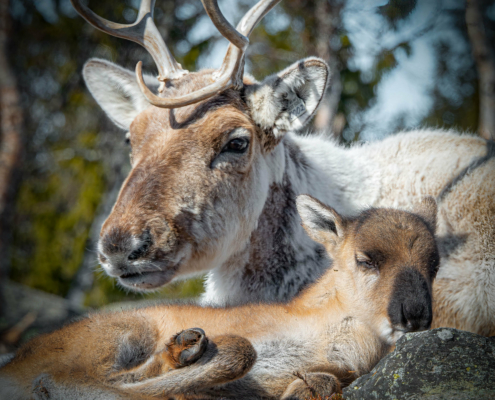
[{"x": 56, "y": 211}]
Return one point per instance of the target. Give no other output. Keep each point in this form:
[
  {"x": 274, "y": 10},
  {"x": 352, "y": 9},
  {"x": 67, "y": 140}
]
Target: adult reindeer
[{"x": 216, "y": 167}]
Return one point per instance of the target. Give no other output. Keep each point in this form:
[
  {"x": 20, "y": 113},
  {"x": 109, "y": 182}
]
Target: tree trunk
[
  {"x": 485, "y": 62},
  {"x": 10, "y": 138},
  {"x": 327, "y": 18}
]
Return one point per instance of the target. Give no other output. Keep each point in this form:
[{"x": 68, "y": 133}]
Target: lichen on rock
[{"x": 442, "y": 363}]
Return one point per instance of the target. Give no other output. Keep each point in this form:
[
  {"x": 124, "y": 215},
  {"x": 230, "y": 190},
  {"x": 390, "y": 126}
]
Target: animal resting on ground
[
  {"x": 216, "y": 168},
  {"x": 379, "y": 287}
]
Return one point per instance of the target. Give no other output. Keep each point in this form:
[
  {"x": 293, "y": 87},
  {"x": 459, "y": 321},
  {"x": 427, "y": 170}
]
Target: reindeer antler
[
  {"x": 144, "y": 32},
  {"x": 232, "y": 69}
]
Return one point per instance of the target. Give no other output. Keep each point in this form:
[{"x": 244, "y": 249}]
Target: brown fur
[
  {"x": 171, "y": 155},
  {"x": 137, "y": 353}
]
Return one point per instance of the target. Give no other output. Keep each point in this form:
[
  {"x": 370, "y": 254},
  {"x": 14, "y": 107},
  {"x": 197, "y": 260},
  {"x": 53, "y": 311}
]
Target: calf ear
[
  {"x": 286, "y": 101},
  {"x": 322, "y": 223},
  {"x": 116, "y": 90},
  {"x": 427, "y": 210}
]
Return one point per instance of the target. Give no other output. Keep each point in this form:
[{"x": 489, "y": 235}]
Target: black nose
[
  {"x": 116, "y": 241},
  {"x": 145, "y": 243},
  {"x": 410, "y": 307},
  {"x": 119, "y": 242},
  {"x": 415, "y": 316}
]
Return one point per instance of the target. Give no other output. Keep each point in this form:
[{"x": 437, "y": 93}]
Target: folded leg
[
  {"x": 189, "y": 364},
  {"x": 182, "y": 350},
  {"x": 313, "y": 385}
]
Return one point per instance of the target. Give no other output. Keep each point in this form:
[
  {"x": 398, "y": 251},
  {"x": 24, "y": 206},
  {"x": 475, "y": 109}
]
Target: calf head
[
  {"x": 385, "y": 261},
  {"x": 201, "y": 152}
]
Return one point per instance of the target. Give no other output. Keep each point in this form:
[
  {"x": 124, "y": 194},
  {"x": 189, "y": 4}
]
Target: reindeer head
[
  {"x": 384, "y": 260},
  {"x": 201, "y": 148}
]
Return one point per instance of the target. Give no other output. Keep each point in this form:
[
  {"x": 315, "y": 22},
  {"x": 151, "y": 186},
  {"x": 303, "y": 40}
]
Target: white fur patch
[
  {"x": 286, "y": 101},
  {"x": 386, "y": 331},
  {"x": 116, "y": 90}
]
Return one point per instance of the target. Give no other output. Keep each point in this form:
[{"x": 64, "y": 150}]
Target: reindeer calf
[{"x": 379, "y": 286}]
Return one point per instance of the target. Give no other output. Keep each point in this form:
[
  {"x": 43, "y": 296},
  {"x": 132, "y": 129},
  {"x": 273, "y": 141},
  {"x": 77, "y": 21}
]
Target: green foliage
[{"x": 57, "y": 214}]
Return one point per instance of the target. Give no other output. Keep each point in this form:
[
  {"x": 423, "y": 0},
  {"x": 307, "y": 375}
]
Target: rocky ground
[
  {"x": 27, "y": 312},
  {"x": 440, "y": 364}
]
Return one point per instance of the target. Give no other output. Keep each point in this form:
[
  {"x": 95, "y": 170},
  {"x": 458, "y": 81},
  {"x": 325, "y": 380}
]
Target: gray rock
[
  {"x": 439, "y": 364},
  {"x": 47, "y": 310}
]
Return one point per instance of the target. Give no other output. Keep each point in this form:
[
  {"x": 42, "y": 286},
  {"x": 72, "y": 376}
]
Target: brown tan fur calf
[{"x": 379, "y": 287}]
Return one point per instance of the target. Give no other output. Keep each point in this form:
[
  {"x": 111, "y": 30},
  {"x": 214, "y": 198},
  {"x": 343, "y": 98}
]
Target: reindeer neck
[{"x": 279, "y": 259}]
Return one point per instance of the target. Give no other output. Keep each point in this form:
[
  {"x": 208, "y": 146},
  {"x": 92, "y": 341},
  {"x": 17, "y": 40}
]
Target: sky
[{"x": 404, "y": 96}]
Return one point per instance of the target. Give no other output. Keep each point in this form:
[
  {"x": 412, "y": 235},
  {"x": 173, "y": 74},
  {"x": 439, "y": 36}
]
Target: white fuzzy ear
[
  {"x": 116, "y": 90},
  {"x": 287, "y": 100},
  {"x": 322, "y": 223}
]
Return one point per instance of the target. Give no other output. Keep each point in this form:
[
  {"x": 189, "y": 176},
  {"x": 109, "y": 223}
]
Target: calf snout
[{"x": 410, "y": 308}]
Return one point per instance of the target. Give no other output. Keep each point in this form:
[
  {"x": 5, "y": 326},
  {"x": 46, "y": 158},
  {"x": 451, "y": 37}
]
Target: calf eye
[
  {"x": 366, "y": 262},
  {"x": 237, "y": 145}
]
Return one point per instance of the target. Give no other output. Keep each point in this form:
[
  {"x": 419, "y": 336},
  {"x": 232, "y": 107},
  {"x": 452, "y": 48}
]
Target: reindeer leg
[
  {"x": 224, "y": 358},
  {"x": 182, "y": 349},
  {"x": 320, "y": 385}
]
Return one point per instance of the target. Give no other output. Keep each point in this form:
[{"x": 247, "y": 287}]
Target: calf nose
[
  {"x": 416, "y": 316},
  {"x": 410, "y": 306}
]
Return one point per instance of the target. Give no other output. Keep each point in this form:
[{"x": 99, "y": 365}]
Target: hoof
[{"x": 188, "y": 346}]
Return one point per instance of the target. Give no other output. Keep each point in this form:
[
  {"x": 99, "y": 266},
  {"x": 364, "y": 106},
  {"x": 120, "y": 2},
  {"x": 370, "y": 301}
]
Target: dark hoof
[{"x": 191, "y": 345}]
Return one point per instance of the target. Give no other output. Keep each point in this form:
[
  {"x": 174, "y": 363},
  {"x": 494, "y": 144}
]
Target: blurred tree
[
  {"x": 484, "y": 56},
  {"x": 10, "y": 140}
]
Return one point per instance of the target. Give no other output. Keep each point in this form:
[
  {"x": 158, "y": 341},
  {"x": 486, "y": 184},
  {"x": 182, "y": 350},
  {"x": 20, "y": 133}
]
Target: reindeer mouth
[{"x": 142, "y": 281}]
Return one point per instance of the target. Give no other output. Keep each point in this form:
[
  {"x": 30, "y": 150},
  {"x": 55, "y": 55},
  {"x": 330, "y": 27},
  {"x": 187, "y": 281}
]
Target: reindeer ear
[
  {"x": 116, "y": 90},
  {"x": 286, "y": 101},
  {"x": 322, "y": 223},
  {"x": 427, "y": 210}
]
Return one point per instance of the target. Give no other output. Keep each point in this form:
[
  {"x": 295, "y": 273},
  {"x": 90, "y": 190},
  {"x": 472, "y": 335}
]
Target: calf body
[{"x": 379, "y": 287}]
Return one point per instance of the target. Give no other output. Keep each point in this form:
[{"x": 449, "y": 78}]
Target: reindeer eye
[{"x": 237, "y": 145}]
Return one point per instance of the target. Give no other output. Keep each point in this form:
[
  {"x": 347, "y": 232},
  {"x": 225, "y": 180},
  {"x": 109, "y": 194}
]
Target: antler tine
[
  {"x": 144, "y": 32},
  {"x": 224, "y": 26},
  {"x": 230, "y": 73},
  {"x": 255, "y": 15}
]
